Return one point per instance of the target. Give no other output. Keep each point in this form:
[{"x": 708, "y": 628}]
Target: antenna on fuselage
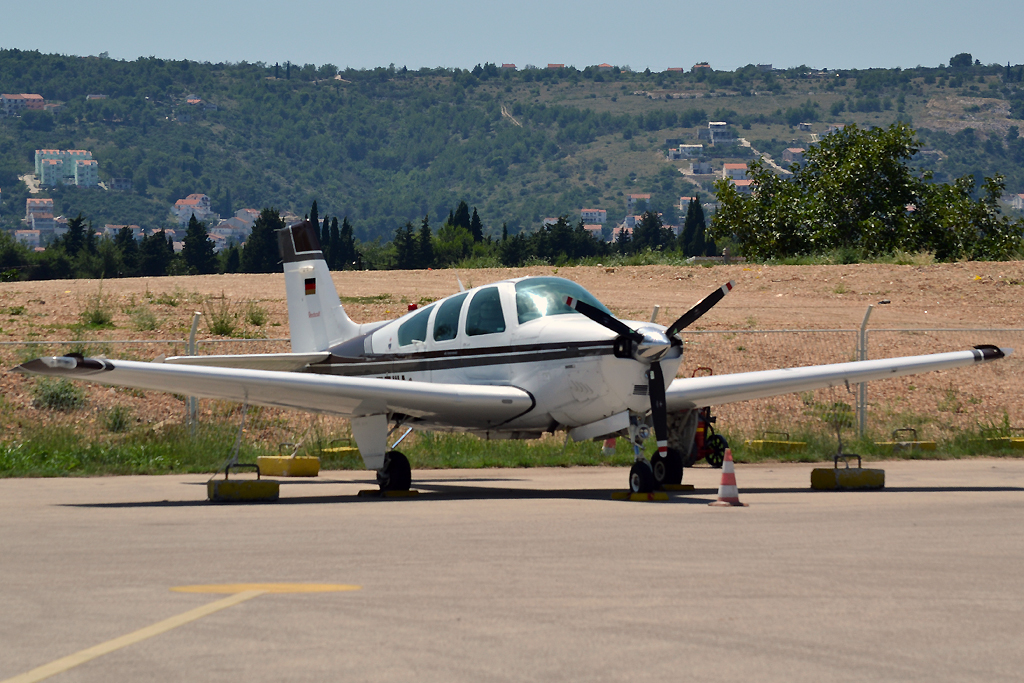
[
  {"x": 461, "y": 288},
  {"x": 654, "y": 314}
]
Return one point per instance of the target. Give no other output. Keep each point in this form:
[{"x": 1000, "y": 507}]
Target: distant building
[
  {"x": 595, "y": 231},
  {"x": 120, "y": 184},
  {"x": 62, "y": 167},
  {"x": 631, "y": 221},
  {"x": 676, "y": 68},
  {"x": 197, "y": 205},
  {"x": 33, "y": 205},
  {"x": 701, "y": 65},
  {"x": 804, "y": 126},
  {"x": 604, "y": 67},
  {"x": 616, "y": 232},
  {"x": 248, "y": 216},
  {"x": 110, "y": 230},
  {"x": 87, "y": 173},
  {"x": 594, "y": 215},
  {"x": 701, "y": 168},
  {"x": 721, "y": 133},
  {"x": 764, "y": 67},
  {"x": 95, "y": 97},
  {"x": 734, "y": 171},
  {"x": 743, "y": 186},
  {"x": 509, "y": 66},
  {"x": 834, "y": 127},
  {"x": 556, "y": 66},
  {"x": 549, "y": 221},
  {"x": 686, "y": 152},
  {"x": 793, "y": 155},
  {"x": 634, "y": 199},
  {"x": 684, "y": 203},
  {"x": 1015, "y": 201},
  {"x": 14, "y": 104},
  {"x": 30, "y": 238}
]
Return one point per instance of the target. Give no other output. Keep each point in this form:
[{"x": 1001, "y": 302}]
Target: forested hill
[{"x": 389, "y": 145}]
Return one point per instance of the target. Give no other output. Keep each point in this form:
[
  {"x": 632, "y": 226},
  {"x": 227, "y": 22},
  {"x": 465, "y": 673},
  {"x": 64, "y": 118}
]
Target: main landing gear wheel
[
  {"x": 667, "y": 469},
  {"x": 717, "y": 445},
  {"x": 396, "y": 474},
  {"x": 641, "y": 477}
]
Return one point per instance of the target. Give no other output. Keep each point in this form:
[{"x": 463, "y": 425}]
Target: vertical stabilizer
[{"x": 316, "y": 318}]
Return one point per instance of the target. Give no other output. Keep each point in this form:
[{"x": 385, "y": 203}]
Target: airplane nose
[{"x": 654, "y": 346}]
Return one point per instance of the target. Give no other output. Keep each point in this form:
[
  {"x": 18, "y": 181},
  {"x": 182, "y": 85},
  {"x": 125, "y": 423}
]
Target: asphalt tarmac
[{"x": 513, "y": 575}]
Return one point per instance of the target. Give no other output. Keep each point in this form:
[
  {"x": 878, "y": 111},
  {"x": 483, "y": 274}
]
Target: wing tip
[{"x": 987, "y": 352}]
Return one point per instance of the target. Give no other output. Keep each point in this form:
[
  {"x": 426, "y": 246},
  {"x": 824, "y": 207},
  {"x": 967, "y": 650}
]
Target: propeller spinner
[{"x": 650, "y": 346}]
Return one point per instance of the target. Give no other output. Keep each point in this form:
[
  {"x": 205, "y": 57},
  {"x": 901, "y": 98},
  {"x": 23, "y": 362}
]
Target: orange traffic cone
[
  {"x": 728, "y": 494},
  {"x": 608, "y": 449}
]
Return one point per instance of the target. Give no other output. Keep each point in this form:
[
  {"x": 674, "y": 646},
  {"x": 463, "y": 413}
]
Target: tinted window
[
  {"x": 446, "y": 323},
  {"x": 538, "y": 297},
  {"x": 485, "y": 316},
  {"x": 415, "y": 328}
]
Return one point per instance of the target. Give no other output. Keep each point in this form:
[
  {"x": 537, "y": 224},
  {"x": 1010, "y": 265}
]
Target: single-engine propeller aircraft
[{"x": 507, "y": 360}]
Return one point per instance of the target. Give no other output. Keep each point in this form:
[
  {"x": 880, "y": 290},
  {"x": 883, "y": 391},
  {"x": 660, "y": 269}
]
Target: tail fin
[{"x": 315, "y": 316}]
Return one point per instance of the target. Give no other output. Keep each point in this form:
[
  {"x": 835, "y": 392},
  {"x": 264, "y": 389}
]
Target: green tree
[
  {"x": 74, "y": 240},
  {"x": 461, "y": 217},
  {"x": 261, "y": 254},
  {"x": 406, "y": 251},
  {"x": 155, "y": 254},
  {"x": 856, "y": 192},
  {"x": 128, "y": 252},
  {"x": 650, "y": 233},
  {"x": 476, "y": 227},
  {"x": 425, "y": 244},
  {"x": 961, "y": 61},
  {"x": 331, "y": 256},
  {"x": 197, "y": 250}
]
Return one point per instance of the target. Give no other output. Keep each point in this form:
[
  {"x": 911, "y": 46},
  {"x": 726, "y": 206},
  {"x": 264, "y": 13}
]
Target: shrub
[
  {"x": 117, "y": 419},
  {"x": 220, "y": 318},
  {"x": 98, "y": 310},
  {"x": 256, "y": 314},
  {"x": 58, "y": 394},
  {"x": 143, "y": 318}
]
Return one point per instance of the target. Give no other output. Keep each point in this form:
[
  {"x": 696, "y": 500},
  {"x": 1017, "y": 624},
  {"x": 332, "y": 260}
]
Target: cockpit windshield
[{"x": 538, "y": 297}]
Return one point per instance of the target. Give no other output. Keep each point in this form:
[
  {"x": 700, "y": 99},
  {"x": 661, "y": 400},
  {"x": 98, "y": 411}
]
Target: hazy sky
[{"x": 458, "y": 33}]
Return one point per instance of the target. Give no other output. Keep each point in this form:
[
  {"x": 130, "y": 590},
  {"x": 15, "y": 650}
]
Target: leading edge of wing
[
  {"x": 694, "y": 392},
  {"x": 457, "y": 404}
]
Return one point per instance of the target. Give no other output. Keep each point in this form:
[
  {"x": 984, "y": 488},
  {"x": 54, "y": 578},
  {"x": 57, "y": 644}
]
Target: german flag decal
[{"x": 310, "y": 285}]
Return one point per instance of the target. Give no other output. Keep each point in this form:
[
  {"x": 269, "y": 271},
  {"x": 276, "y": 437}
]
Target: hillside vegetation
[{"x": 388, "y": 145}]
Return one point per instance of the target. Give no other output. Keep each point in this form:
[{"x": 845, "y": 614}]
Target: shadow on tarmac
[{"x": 452, "y": 492}]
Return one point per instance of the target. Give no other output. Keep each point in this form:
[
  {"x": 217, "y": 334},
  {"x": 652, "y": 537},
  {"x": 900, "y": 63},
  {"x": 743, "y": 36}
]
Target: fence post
[
  {"x": 193, "y": 404},
  {"x": 862, "y": 394}
]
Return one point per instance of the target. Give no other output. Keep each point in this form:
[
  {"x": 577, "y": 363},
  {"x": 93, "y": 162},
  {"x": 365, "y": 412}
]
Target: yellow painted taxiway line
[{"x": 64, "y": 663}]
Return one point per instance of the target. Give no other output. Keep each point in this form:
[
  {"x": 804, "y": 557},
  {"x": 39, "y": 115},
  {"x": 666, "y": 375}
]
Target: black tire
[
  {"x": 717, "y": 445},
  {"x": 668, "y": 469},
  {"x": 396, "y": 474},
  {"x": 641, "y": 477}
]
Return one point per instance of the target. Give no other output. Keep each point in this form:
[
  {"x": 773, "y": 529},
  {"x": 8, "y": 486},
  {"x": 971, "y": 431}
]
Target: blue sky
[{"x": 654, "y": 34}]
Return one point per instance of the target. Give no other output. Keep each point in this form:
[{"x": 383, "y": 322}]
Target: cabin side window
[
  {"x": 414, "y": 329},
  {"x": 446, "y": 322},
  {"x": 485, "y": 315}
]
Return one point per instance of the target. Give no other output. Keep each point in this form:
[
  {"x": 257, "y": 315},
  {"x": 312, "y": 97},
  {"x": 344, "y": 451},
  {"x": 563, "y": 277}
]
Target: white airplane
[{"x": 507, "y": 360}]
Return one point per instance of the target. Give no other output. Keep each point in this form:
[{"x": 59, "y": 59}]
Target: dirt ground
[{"x": 956, "y": 296}]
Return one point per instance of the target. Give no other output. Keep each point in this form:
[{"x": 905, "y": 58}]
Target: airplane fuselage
[{"x": 510, "y": 333}]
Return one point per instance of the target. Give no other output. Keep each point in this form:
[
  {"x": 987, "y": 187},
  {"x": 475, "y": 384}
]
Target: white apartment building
[
  {"x": 197, "y": 205},
  {"x": 594, "y": 215},
  {"x": 61, "y": 167},
  {"x": 633, "y": 199},
  {"x": 734, "y": 171}
]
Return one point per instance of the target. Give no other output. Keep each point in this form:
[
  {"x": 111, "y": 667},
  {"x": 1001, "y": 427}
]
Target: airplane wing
[
  {"x": 466, "y": 405},
  {"x": 697, "y": 392}
]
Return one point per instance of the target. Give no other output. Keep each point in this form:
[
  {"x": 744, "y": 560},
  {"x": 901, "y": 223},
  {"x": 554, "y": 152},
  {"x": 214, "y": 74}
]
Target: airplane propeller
[{"x": 650, "y": 346}]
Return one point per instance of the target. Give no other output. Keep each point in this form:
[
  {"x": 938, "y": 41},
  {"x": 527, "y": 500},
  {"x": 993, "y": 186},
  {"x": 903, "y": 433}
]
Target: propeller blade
[
  {"x": 702, "y": 307},
  {"x": 659, "y": 406},
  {"x": 602, "y": 318}
]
